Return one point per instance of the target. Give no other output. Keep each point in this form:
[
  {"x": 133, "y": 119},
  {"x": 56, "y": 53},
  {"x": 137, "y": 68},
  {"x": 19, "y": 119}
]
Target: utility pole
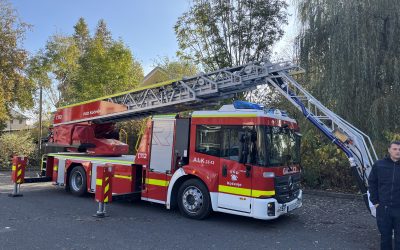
[{"x": 40, "y": 123}]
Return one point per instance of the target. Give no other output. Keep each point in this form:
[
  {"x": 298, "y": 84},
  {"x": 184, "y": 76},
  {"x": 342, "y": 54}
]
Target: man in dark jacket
[{"x": 384, "y": 189}]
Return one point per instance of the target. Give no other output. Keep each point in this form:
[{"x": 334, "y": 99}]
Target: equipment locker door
[
  {"x": 61, "y": 171},
  {"x": 156, "y": 183},
  {"x": 235, "y": 178}
]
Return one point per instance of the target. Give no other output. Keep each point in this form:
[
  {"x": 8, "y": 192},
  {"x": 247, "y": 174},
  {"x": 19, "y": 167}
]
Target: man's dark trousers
[{"x": 388, "y": 219}]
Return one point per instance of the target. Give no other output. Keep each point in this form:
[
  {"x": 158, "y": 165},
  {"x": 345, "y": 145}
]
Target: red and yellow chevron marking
[
  {"x": 107, "y": 191},
  {"x": 18, "y": 169},
  {"x": 20, "y": 177},
  {"x": 103, "y": 185}
]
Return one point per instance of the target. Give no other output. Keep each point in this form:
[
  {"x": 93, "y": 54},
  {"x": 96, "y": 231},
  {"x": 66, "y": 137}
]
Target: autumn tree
[
  {"x": 16, "y": 89},
  {"x": 81, "y": 63},
  {"x": 175, "y": 69},
  {"x": 220, "y": 33},
  {"x": 81, "y": 34},
  {"x": 107, "y": 66},
  {"x": 63, "y": 56}
]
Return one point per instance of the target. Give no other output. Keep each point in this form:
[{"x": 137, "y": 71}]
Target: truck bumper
[{"x": 268, "y": 209}]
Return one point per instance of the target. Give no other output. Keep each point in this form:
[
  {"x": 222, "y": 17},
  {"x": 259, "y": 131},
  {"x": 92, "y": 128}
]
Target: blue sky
[{"x": 145, "y": 26}]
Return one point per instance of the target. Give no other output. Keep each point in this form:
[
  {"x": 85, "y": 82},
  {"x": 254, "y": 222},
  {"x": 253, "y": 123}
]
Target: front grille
[{"x": 286, "y": 190}]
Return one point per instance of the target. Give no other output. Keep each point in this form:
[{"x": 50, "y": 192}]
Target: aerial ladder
[{"x": 207, "y": 89}]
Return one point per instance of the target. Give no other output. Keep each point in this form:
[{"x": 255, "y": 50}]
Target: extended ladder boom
[
  {"x": 354, "y": 143},
  {"x": 206, "y": 89},
  {"x": 186, "y": 94}
]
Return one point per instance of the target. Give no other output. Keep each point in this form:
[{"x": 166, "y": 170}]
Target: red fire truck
[
  {"x": 238, "y": 160},
  {"x": 241, "y": 159}
]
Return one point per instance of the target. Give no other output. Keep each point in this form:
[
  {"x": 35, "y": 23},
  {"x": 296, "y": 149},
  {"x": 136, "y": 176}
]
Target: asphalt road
[{"x": 47, "y": 217}]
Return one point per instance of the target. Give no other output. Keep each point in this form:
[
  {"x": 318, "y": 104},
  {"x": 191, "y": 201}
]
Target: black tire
[
  {"x": 192, "y": 191},
  {"x": 77, "y": 181}
]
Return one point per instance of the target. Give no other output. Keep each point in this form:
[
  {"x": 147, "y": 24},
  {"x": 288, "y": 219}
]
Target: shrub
[
  {"x": 325, "y": 166},
  {"x": 133, "y": 130},
  {"x": 17, "y": 143}
]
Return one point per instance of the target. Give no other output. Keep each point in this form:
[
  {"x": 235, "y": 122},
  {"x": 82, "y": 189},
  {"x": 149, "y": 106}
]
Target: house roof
[
  {"x": 153, "y": 72},
  {"x": 17, "y": 115},
  {"x": 155, "y": 76}
]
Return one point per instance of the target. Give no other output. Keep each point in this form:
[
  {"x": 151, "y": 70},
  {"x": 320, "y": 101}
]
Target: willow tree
[{"x": 351, "y": 54}]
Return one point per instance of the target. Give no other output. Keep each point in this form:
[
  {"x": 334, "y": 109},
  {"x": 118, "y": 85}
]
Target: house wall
[{"x": 16, "y": 124}]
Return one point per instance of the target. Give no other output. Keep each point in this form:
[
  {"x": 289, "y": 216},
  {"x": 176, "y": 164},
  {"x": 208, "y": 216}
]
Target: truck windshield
[{"x": 282, "y": 146}]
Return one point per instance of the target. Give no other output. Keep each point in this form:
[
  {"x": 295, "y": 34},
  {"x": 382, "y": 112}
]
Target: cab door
[{"x": 235, "y": 178}]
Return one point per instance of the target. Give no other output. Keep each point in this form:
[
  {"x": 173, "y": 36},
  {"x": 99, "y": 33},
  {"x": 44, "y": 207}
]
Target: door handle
[
  {"x": 224, "y": 171},
  {"x": 144, "y": 174},
  {"x": 248, "y": 169}
]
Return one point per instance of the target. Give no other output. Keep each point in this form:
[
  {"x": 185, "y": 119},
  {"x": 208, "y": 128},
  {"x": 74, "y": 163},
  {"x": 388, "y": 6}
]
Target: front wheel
[
  {"x": 194, "y": 199},
  {"x": 77, "y": 181}
]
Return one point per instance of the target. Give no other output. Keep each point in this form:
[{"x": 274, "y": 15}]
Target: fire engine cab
[{"x": 241, "y": 159}]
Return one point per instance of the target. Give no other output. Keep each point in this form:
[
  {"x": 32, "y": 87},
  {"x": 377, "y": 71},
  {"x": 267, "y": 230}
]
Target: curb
[{"x": 333, "y": 194}]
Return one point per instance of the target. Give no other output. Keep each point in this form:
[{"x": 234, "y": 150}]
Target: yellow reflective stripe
[
  {"x": 165, "y": 116},
  {"x": 107, "y": 188},
  {"x": 234, "y": 190},
  {"x": 245, "y": 191},
  {"x": 106, "y": 179},
  {"x": 99, "y": 182},
  {"x": 73, "y": 157},
  {"x": 19, "y": 172},
  {"x": 123, "y": 177},
  {"x": 223, "y": 115},
  {"x": 55, "y": 168},
  {"x": 13, "y": 168},
  {"x": 258, "y": 193},
  {"x": 157, "y": 182},
  {"x": 106, "y": 199}
]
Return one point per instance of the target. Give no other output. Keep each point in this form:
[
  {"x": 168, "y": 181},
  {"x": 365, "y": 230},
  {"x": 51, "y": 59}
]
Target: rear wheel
[
  {"x": 77, "y": 181},
  {"x": 194, "y": 199}
]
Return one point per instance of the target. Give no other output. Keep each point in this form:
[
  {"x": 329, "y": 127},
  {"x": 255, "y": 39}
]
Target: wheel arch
[
  {"x": 69, "y": 170},
  {"x": 175, "y": 183}
]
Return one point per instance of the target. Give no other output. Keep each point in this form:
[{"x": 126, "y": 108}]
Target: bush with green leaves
[
  {"x": 324, "y": 165},
  {"x": 17, "y": 143}
]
